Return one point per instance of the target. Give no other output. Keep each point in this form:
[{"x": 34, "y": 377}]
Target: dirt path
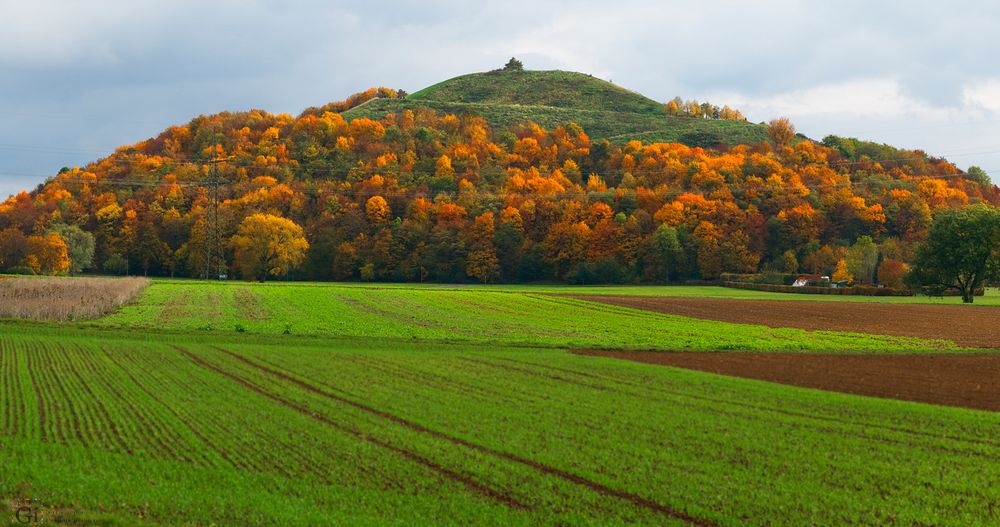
[
  {"x": 970, "y": 326},
  {"x": 967, "y": 380}
]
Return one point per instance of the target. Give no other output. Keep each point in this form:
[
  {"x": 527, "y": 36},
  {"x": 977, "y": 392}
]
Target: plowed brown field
[
  {"x": 970, "y": 326},
  {"x": 967, "y": 380}
]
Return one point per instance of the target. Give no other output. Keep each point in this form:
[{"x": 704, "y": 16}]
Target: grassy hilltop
[{"x": 552, "y": 98}]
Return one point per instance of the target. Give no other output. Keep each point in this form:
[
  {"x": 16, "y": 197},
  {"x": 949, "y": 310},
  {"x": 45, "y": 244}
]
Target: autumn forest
[{"x": 428, "y": 196}]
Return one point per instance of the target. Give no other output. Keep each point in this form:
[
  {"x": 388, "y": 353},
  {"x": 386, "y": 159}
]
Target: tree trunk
[{"x": 967, "y": 293}]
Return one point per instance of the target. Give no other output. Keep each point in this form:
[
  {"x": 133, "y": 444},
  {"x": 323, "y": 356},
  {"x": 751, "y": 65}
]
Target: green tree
[
  {"x": 962, "y": 251},
  {"x": 862, "y": 260},
  {"x": 80, "y": 245},
  {"x": 115, "y": 264},
  {"x": 979, "y": 176},
  {"x": 789, "y": 263},
  {"x": 666, "y": 250},
  {"x": 513, "y": 65}
]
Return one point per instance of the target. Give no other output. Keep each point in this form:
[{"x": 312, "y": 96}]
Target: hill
[
  {"x": 371, "y": 189},
  {"x": 553, "y": 98}
]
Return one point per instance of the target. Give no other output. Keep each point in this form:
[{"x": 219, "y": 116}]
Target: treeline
[
  {"x": 704, "y": 110},
  {"x": 421, "y": 196}
]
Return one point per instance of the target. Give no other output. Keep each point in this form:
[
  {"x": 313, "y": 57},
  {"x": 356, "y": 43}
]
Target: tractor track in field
[
  {"x": 413, "y": 456},
  {"x": 172, "y": 411},
  {"x": 969, "y": 326},
  {"x": 541, "y": 467},
  {"x": 755, "y": 407}
]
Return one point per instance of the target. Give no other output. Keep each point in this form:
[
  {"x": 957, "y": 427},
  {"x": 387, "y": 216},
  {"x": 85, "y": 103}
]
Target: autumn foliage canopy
[{"x": 424, "y": 196}]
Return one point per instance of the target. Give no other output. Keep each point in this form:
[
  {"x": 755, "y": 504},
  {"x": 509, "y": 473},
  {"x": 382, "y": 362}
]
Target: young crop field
[
  {"x": 349, "y": 404},
  {"x": 237, "y": 429},
  {"x": 466, "y": 315},
  {"x": 991, "y": 298}
]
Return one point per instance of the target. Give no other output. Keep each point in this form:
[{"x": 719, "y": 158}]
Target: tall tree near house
[
  {"x": 862, "y": 260},
  {"x": 840, "y": 272},
  {"x": 962, "y": 251},
  {"x": 891, "y": 273},
  {"x": 789, "y": 263},
  {"x": 267, "y": 245}
]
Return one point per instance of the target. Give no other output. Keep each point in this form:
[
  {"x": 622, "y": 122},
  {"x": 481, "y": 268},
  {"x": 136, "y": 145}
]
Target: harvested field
[
  {"x": 969, "y": 326},
  {"x": 66, "y": 298},
  {"x": 969, "y": 380}
]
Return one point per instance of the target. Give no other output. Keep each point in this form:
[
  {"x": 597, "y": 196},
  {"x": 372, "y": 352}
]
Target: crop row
[
  {"x": 698, "y": 446},
  {"x": 528, "y": 436}
]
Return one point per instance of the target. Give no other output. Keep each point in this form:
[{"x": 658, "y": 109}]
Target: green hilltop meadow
[{"x": 553, "y": 98}]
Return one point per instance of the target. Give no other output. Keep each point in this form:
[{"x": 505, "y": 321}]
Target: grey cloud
[{"x": 96, "y": 75}]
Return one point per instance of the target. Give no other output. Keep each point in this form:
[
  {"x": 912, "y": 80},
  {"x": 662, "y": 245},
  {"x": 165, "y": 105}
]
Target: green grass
[
  {"x": 563, "y": 89},
  {"x": 517, "y": 316},
  {"x": 237, "y": 429},
  {"x": 992, "y": 297},
  {"x": 553, "y": 98}
]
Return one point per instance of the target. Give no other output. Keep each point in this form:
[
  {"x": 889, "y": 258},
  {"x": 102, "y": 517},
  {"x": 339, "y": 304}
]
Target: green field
[
  {"x": 991, "y": 298},
  {"x": 554, "y": 98},
  {"x": 354, "y": 432},
  {"x": 430, "y": 405},
  {"x": 518, "y": 316}
]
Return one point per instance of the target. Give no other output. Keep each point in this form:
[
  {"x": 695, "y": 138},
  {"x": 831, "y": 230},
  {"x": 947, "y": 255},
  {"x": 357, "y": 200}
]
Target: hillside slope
[
  {"x": 438, "y": 196},
  {"x": 553, "y": 98}
]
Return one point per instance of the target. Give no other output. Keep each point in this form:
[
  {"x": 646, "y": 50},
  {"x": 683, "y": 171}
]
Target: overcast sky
[{"x": 78, "y": 79}]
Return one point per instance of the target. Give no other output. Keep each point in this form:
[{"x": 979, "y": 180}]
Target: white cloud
[
  {"x": 853, "y": 99},
  {"x": 984, "y": 94}
]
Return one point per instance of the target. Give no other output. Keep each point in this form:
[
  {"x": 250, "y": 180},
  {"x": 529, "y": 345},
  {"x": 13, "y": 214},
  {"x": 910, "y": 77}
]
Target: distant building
[{"x": 811, "y": 279}]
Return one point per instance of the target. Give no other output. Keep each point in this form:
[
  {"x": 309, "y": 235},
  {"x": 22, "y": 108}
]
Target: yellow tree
[
  {"x": 443, "y": 168},
  {"x": 841, "y": 274},
  {"x": 377, "y": 209},
  {"x": 781, "y": 131},
  {"x": 47, "y": 254},
  {"x": 266, "y": 244}
]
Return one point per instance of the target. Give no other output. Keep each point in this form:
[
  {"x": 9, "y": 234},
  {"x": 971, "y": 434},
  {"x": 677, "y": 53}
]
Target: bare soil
[
  {"x": 968, "y": 326},
  {"x": 965, "y": 380}
]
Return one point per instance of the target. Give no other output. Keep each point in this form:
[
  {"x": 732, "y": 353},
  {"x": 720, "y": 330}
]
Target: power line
[
  {"x": 214, "y": 183},
  {"x": 213, "y": 238}
]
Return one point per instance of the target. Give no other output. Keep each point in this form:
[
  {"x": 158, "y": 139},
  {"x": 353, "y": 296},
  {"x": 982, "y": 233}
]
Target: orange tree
[{"x": 266, "y": 245}]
